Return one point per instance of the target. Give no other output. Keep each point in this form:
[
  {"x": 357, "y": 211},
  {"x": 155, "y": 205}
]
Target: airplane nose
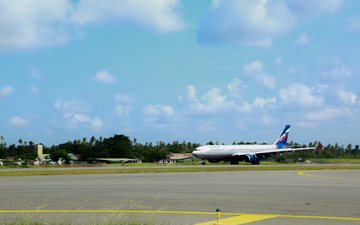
[{"x": 194, "y": 153}]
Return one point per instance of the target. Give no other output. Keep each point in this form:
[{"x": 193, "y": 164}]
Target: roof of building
[
  {"x": 44, "y": 157},
  {"x": 179, "y": 156},
  {"x": 115, "y": 160},
  {"x": 72, "y": 156}
]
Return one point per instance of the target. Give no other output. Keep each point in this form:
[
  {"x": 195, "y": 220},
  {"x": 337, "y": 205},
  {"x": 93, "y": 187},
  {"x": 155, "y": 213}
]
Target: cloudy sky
[{"x": 221, "y": 70}]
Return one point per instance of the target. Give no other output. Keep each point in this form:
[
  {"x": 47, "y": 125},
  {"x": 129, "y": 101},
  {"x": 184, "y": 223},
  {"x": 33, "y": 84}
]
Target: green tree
[
  {"x": 3, "y": 152},
  {"x": 2, "y": 141},
  {"x": 119, "y": 146},
  {"x": 56, "y": 154},
  {"x": 349, "y": 147}
]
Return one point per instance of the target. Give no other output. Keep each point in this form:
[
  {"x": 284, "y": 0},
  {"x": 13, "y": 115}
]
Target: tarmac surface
[
  {"x": 134, "y": 166},
  {"x": 255, "y": 197}
]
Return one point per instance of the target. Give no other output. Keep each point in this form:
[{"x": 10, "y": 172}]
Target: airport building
[
  {"x": 177, "y": 157},
  {"x": 112, "y": 160}
]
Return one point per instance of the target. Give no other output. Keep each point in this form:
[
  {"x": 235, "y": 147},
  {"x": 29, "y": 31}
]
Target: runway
[{"x": 267, "y": 197}]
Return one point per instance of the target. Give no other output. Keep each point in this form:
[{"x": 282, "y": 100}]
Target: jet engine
[{"x": 253, "y": 159}]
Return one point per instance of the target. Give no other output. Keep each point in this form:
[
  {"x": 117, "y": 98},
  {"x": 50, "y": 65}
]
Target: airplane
[{"x": 248, "y": 153}]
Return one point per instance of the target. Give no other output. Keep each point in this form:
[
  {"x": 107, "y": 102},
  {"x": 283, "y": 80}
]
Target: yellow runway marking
[
  {"x": 328, "y": 177},
  {"x": 248, "y": 218},
  {"x": 236, "y": 220}
]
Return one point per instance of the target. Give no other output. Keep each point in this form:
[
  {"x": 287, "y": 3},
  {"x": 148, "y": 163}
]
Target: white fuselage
[{"x": 221, "y": 152}]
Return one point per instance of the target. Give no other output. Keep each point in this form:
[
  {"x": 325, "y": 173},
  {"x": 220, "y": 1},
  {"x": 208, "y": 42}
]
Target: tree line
[
  {"x": 118, "y": 146},
  {"x": 324, "y": 151},
  {"x": 121, "y": 146}
]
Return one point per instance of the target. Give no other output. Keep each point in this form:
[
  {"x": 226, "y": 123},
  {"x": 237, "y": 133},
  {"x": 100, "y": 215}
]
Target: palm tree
[{"x": 2, "y": 141}]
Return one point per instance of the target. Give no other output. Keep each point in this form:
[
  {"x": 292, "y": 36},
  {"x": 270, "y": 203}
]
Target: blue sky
[{"x": 180, "y": 70}]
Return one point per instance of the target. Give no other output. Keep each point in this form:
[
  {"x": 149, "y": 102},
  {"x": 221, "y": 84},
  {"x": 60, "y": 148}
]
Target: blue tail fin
[{"x": 282, "y": 139}]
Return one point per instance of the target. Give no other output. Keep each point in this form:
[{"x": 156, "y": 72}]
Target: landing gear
[
  {"x": 234, "y": 162},
  {"x": 214, "y": 160},
  {"x": 255, "y": 163}
]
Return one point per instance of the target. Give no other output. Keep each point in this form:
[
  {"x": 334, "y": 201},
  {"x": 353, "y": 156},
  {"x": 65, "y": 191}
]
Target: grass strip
[
  {"x": 118, "y": 170},
  {"x": 24, "y": 221}
]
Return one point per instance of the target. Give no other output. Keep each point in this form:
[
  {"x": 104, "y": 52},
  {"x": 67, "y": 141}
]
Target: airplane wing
[{"x": 267, "y": 151}]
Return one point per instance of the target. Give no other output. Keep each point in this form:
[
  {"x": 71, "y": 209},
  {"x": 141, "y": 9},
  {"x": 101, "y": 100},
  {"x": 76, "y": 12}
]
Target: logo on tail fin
[{"x": 282, "y": 139}]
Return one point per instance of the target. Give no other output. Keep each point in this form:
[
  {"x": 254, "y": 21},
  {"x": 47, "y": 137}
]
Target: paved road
[{"x": 312, "y": 193}]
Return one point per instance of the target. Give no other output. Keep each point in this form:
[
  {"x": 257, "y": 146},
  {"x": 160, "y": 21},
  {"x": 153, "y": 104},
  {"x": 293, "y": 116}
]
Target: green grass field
[
  {"x": 336, "y": 161},
  {"x": 178, "y": 168}
]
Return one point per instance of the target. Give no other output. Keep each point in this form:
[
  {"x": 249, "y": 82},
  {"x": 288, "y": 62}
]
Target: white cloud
[
  {"x": 339, "y": 71},
  {"x": 327, "y": 114},
  {"x": 213, "y": 102},
  {"x": 235, "y": 88},
  {"x": 6, "y": 91},
  {"x": 256, "y": 68},
  {"x": 347, "y": 97},
  {"x": 159, "y": 110},
  {"x": 261, "y": 102},
  {"x": 76, "y": 119},
  {"x": 157, "y": 14},
  {"x": 71, "y": 106},
  {"x": 213, "y": 98},
  {"x": 234, "y": 85},
  {"x": 253, "y": 22},
  {"x": 161, "y": 117},
  {"x": 96, "y": 123},
  {"x": 35, "y": 23},
  {"x": 123, "y": 110},
  {"x": 243, "y": 107},
  {"x": 253, "y": 67},
  {"x": 73, "y": 111},
  {"x": 303, "y": 39},
  {"x": 105, "y": 77},
  {"x": 257, "y": 22},
  {"x": 353, "y": 24},
  {"x": 123, "y": 98},
  {"x": 266, "y": 80},
  {"x": 18, "y": 121},
  {"x": 308, "y": 8},
  {"x": 301, "y": 95},
  {"x": 124, "y": 104},
  {"x": 191, "y": 93}
]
